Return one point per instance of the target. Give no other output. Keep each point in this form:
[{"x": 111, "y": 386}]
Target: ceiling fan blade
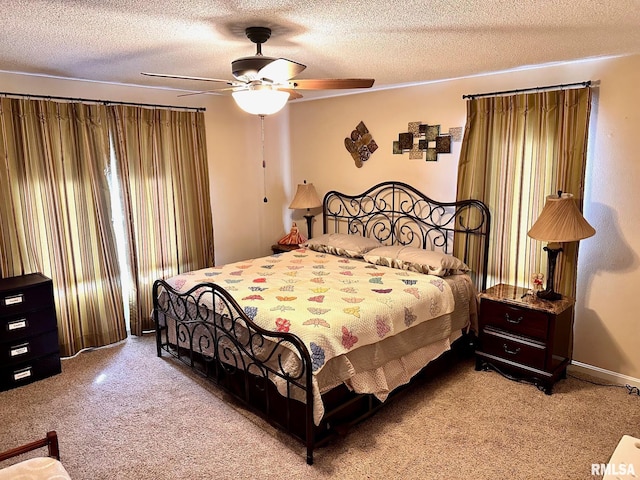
[
  {"x": 280, "y": 70},
  {"x": 293, "y": 95},
  {"x": 217, "y": 91},
  {"x": 190, "y": 94},
  {"x": 186, "y": 77},
  {"x": 331, "y": 83}
]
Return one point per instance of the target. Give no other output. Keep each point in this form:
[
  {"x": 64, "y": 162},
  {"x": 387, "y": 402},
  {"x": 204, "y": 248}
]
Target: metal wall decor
[
  {"x": 456, "y": 134},
  {"x": 430, "y": 142},
  {"x": 360, "y": 144}
]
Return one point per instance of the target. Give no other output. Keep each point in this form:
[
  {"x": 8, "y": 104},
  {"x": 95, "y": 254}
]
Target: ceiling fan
[{"x": 263, "y": 84}]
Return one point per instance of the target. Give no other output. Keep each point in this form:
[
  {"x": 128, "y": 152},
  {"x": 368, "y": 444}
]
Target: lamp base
[
  {"x": 309, "y": 218},
  {"x": 550, "y": 294}
]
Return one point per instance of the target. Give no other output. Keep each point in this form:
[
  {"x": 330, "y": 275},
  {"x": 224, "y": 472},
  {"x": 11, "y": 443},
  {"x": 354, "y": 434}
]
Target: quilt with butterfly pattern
[{"x": 334, "y": 304}]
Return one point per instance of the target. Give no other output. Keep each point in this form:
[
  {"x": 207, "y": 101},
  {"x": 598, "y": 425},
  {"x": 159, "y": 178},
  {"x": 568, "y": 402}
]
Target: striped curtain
[
  {"x": 55, "y": 215},
  {"x": 162, "y": 165},
  {"x": 517, "y": 150}
]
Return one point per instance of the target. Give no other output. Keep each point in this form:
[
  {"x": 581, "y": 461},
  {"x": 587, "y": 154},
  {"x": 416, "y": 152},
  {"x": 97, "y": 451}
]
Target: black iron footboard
[{"x": 269, "y": 372}]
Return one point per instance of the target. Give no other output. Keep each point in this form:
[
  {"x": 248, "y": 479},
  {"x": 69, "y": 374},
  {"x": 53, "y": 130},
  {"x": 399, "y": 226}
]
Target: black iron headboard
[{"x": 398, "y": 214}]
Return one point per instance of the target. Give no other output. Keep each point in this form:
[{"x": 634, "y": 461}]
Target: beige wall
[
  {"x": 607, "y": 333},
  {"x": 306, "y": 142}
]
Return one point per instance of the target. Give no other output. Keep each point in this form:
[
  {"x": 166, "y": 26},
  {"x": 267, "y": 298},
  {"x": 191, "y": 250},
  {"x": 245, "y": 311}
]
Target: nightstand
[
  {"x": 524, "y": 337},
  {"x": 278, "y": 248}
]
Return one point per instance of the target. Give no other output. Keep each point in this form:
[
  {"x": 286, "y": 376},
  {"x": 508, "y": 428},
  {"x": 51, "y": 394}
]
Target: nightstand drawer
[
  {"x": 513, "y": 348},
  {"x": 26, "y": 349},
  {"x": 27, "y": 325},
  {"x": 521, "y": 321}
]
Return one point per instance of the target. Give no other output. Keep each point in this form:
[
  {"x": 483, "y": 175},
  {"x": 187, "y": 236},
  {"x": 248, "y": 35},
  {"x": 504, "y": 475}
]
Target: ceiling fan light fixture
[
  {"x": 263, "y": 85},
  {"x": 263, "y": 101}
]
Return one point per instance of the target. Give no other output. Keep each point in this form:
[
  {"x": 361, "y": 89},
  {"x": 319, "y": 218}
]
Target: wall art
[
  {"x": 360, "y": 144},
  {"x": 456, "y": 134},
  {"x": 422, "y": 141}
]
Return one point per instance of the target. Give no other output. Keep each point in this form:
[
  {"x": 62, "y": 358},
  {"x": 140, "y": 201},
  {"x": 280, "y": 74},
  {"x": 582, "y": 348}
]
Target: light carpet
[{"x": 123, "y": 413}]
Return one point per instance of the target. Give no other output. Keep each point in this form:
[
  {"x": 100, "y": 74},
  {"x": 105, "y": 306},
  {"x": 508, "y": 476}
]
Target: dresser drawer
[
  {"x": 12, "y": 376},
  {"x": 25, "y": 349},
  {"x": 23, "y": 294},
  {"x": 521, "y": 321},
  {"x": 27, "y": 325},
  {"x": 513, "y": 348}
]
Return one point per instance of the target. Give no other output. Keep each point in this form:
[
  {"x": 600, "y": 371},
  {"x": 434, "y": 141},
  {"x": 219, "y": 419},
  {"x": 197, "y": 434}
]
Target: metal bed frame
[{"x": 246, "y": 360}]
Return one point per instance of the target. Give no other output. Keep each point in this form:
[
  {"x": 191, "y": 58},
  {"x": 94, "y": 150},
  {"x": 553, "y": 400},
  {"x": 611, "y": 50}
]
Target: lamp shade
[
  {"x": 561, "y": 221},
  {"x": 306, "y": 197},
  {"x": 261, "y": 101}
]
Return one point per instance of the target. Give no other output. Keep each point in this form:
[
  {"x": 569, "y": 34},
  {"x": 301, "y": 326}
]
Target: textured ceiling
[{"x": 393, "y": 42}]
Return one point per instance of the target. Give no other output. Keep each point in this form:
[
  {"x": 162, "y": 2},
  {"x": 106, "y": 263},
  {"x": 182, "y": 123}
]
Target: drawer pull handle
[
  {"x": 17, "y": 324},
  {"x": 13, "y": 300},
  {"x": 511, "y": 352},
  {"x": 19, "y": 349},
  {"x": 21, "y": 374},
  {"x": 512, "y": 320}
]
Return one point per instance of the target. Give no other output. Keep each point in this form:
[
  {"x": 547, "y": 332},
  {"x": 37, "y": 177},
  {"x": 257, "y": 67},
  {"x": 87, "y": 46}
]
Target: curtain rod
[
  {"x": 532, "y": 89},
  {"x": 104, "y": 102}
]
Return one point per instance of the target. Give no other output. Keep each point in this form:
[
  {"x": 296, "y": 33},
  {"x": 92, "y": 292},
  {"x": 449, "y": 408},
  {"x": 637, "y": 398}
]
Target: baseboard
[{"x": 601, "y": 373}]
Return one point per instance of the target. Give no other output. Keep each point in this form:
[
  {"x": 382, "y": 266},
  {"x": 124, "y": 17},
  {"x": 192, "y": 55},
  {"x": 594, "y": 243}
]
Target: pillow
[
  {"x": 431, "y": 262},
  {"x": 386, "y": 256},
  {"x": 342, "y": 244},
  {"x": 417, "y": 260}
]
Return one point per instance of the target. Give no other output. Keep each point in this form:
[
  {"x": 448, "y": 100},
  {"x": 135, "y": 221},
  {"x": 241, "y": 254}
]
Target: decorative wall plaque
[
  {"x": 430, "y": 142},
  {"x": 360, "y": 144},
  {"x": 456, "y": 134}
]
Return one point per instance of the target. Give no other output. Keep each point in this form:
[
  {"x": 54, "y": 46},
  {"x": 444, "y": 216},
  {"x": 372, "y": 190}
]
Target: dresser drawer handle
[
  {"x": 13, "y": 300},
  {"x": 512, "y": 320},
  {"x": 511, "y": 352},
  {"x": 22, "y": 374},
  {"x": 17, "y": 324},
  {"x": 20, "y": 349}
]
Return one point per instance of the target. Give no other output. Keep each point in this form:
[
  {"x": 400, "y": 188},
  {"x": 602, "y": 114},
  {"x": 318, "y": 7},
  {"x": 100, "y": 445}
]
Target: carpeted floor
[{"x": 123, "y": 413}]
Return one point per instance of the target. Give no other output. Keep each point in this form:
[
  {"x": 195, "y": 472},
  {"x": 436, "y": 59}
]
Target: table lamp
[
  {"x": 306, "y": 197},
  {"x": 559, "y": 222}
]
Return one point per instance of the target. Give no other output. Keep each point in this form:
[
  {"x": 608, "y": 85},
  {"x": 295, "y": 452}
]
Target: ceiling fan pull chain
[{"x": 264, "y": 164}]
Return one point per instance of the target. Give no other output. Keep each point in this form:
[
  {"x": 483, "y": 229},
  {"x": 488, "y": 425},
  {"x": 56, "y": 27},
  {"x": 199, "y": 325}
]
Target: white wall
[{"x": 607, "y": 333}]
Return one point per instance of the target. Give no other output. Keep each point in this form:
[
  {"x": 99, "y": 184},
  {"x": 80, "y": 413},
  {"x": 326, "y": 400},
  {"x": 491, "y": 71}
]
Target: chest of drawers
[
  {"x": 28, "y": 330},
  {"x": 524, "y": 337}
]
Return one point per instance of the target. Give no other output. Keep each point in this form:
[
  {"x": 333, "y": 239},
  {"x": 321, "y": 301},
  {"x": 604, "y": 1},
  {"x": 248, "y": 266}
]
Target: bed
[{"x": 316, "y": 339}]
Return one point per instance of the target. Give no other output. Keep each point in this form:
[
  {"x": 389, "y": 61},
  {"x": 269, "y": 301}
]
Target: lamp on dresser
[
  {"x": 559, "y": 222},
  {"x": 306, "y": 197}
]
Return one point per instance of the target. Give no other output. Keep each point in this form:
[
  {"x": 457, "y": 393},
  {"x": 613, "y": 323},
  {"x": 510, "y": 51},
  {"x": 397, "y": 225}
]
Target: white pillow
[
  {"x": 342, "y": 244},
  {"x": 417, "y": 260}
]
